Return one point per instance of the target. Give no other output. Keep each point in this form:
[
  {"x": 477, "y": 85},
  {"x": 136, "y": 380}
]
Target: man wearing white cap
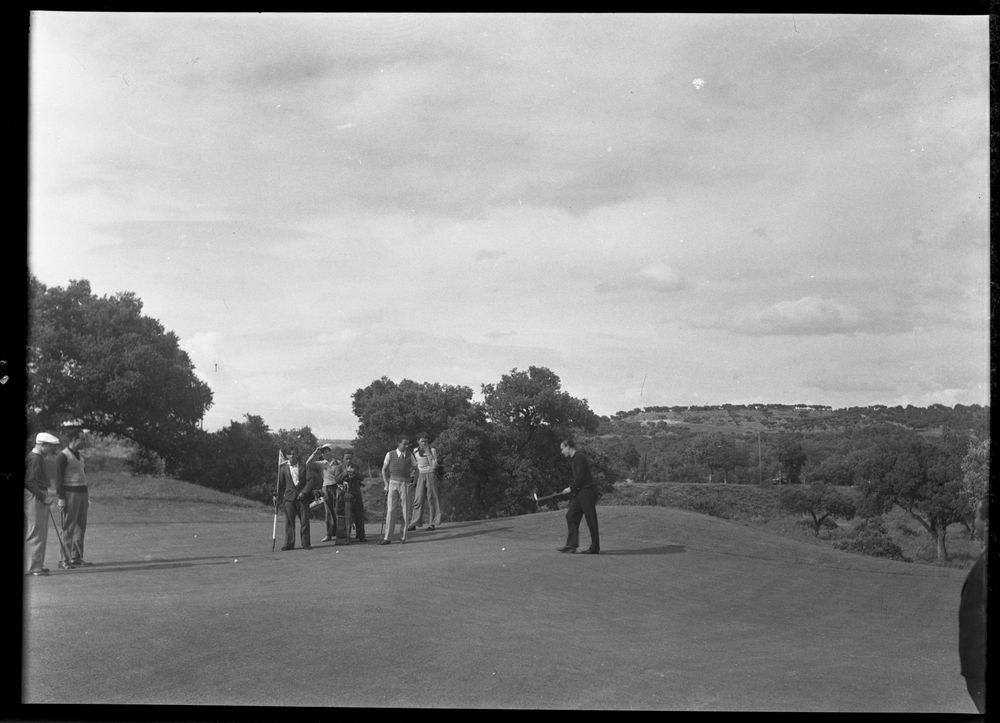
[{"x": 36, "y": 503}]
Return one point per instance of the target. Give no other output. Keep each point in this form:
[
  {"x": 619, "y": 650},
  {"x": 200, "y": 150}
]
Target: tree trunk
[{"x": 942, "y": 547}]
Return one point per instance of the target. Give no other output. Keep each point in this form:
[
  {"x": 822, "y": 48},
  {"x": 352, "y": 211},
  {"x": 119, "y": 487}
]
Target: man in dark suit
[
  {"x": 583, "y": 503},
  {"x": 294, "y": 490},
  {"x": 349, "y": 479}
]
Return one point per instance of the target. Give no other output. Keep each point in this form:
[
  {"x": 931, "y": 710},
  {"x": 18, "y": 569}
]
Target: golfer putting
[{"x": 583, "y": 502}]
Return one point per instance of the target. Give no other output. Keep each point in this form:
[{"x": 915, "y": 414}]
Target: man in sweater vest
[
  {"x": 583, "y": 502},
  {"x": 71, "y": 496},
  {"x": 36, "y": 503},
  {"x": 396, "y": 472}
]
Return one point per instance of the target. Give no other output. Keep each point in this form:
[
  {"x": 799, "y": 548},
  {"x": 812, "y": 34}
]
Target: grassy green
[
  {"x": 758, "y": 507},
  {"x": 121, "y": 498}
]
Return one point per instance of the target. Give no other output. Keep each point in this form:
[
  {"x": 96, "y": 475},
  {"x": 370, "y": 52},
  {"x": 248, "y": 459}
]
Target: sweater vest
[
  {"x": 399, "y": 467},
  {"x": 75, "y": 471}
]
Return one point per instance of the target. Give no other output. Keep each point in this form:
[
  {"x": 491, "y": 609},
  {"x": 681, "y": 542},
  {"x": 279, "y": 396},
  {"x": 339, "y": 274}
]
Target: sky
[{"x": 662, "y": 209}]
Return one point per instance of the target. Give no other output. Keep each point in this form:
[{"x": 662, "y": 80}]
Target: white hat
[{"x": 46, "y": 438}]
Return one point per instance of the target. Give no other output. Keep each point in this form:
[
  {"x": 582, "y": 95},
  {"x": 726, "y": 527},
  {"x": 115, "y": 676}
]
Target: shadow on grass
[
  {"x": 165, "y": 564},
  {"x": 435, "y": 537},
  {"x": 664, "y": 550}
]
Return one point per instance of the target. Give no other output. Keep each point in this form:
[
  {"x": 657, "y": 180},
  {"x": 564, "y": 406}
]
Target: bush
[{"x": 871, "y": 538}]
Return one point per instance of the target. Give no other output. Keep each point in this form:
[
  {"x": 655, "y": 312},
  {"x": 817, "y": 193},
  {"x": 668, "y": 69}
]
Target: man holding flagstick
[{"x": 293, "y": 490}]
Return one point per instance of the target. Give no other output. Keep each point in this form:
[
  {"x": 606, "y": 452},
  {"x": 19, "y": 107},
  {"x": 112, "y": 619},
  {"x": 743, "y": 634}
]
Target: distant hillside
[{"x": 804, "y": 418}]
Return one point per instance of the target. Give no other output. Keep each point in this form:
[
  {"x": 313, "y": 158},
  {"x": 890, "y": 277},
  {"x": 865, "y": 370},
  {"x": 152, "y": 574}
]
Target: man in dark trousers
[
  {"x": 350, "y": 475},
  {"x": 972, "y": 621},
  {"x": 36, "y": 503},
  {"x": 294, "y": 491},
  {"x": 71, "y": 493},
  {"x": 583, "y": 503}
]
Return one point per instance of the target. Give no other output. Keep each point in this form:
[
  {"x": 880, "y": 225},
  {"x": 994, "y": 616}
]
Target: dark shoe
[
  {"x": 590, "y": 551},
  {"x": 46, "y": 570},
  {"x": 431, "y": 528},
  {"x": 82, "y": 563},
  {"x": 307, "y": 547},
  {"x": 286, "y": 548},
  {"x": 384, "y": 542},
  {"x": 567, "y": 548},
  {"x": 411, "y": 528},
  {"x": 362, "y": 539},
  {"x": 39, "y": 573},
  {"x": 63, "y": 565}
]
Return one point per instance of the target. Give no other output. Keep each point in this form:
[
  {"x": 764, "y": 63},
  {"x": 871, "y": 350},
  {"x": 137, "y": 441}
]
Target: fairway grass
[{"x": 681, "y": 611}]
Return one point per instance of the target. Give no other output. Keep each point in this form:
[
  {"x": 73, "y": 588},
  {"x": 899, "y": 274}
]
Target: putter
[
  {"x": 274, "y": 527},
  {"x": 61, "y": 545}
]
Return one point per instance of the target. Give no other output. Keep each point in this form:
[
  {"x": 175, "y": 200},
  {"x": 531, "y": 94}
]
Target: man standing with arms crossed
[
  {"x": 583, "y": 503},
  {"x": 36, "y": 503},
  {"x": 71, "y": 492},
  {"x": 426, "y": 495},
  {"x": 396, "y": 472}
]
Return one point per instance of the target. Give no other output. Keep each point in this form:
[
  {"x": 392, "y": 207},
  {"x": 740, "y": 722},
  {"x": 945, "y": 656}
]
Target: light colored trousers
[
  {"x": 426, "y": 495},
  {"x": 74, "y": 522},
  {"x": 397, "y": 502},
  {"x": 36, "y": 531}
]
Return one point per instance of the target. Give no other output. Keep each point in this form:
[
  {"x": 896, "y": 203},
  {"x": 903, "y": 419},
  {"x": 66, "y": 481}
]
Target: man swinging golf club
[{"x": 583, "y": 502}]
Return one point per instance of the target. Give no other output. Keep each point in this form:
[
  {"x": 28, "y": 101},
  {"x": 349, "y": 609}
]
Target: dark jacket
[
  {"x": 972, "y": 621},
  {"x": 581, "y": 473},
  {"x": 351, "y": 474},
  {"x": 36, "y": 479},
  {"x": 286, "y": 491}
]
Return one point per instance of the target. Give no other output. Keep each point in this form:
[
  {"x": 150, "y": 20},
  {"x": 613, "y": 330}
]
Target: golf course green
[{"x": 681, "y": 611}]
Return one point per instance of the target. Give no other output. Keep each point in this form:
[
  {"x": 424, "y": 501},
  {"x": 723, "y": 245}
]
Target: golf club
[
  {"x": 62, "y": 547},
  {"x": 546, "y": 497},
  {"x": 274, "y": 527}
]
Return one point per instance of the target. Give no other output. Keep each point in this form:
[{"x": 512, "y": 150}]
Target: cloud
[
  {"x": 658, "y": 277},
  {"x": 489, "y": 255},
  {"x": 808, "y": 316}
]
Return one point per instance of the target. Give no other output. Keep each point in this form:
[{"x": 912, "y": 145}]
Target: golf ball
[
  {"x": 336, "y": 552},
  {"x": 503, "y": 549},
  {"x": 236, "y": 560}
]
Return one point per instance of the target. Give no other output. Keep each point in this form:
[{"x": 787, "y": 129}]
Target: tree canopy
[{"x": 98, "y": 362}]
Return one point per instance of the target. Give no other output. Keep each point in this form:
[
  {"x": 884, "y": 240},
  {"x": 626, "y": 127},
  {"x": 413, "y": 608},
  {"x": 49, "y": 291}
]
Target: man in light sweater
[
  {"x": 72, "y": 498},
  {"x": 397, "y": 468},
  {"x": 327, "y": 462},
  {"x": 36, "y": 503},
  {"x": 426, "y": 493}
]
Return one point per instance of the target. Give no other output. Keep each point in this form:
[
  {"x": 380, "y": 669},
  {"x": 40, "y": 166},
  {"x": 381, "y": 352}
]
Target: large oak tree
[{"x": 98, "y": 362}]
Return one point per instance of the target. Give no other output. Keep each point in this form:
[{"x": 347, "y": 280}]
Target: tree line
[{"x": 99, "y": 363}]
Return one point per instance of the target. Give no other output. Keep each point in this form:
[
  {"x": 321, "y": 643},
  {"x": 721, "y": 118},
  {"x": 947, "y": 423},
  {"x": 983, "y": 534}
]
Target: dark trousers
[
  {"x": 343, "y": 510},
  {"x": 293, "y": 509},
  {"x": 583, "y": 505},
  {"x": 330, "y": 516},
  {"x": 358, "y": 513},
  {"x": 74, "y": 521}
]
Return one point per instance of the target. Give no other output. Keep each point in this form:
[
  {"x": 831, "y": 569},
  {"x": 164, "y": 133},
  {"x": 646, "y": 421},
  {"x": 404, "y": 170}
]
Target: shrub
[{"x": 871, "y": 538}]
